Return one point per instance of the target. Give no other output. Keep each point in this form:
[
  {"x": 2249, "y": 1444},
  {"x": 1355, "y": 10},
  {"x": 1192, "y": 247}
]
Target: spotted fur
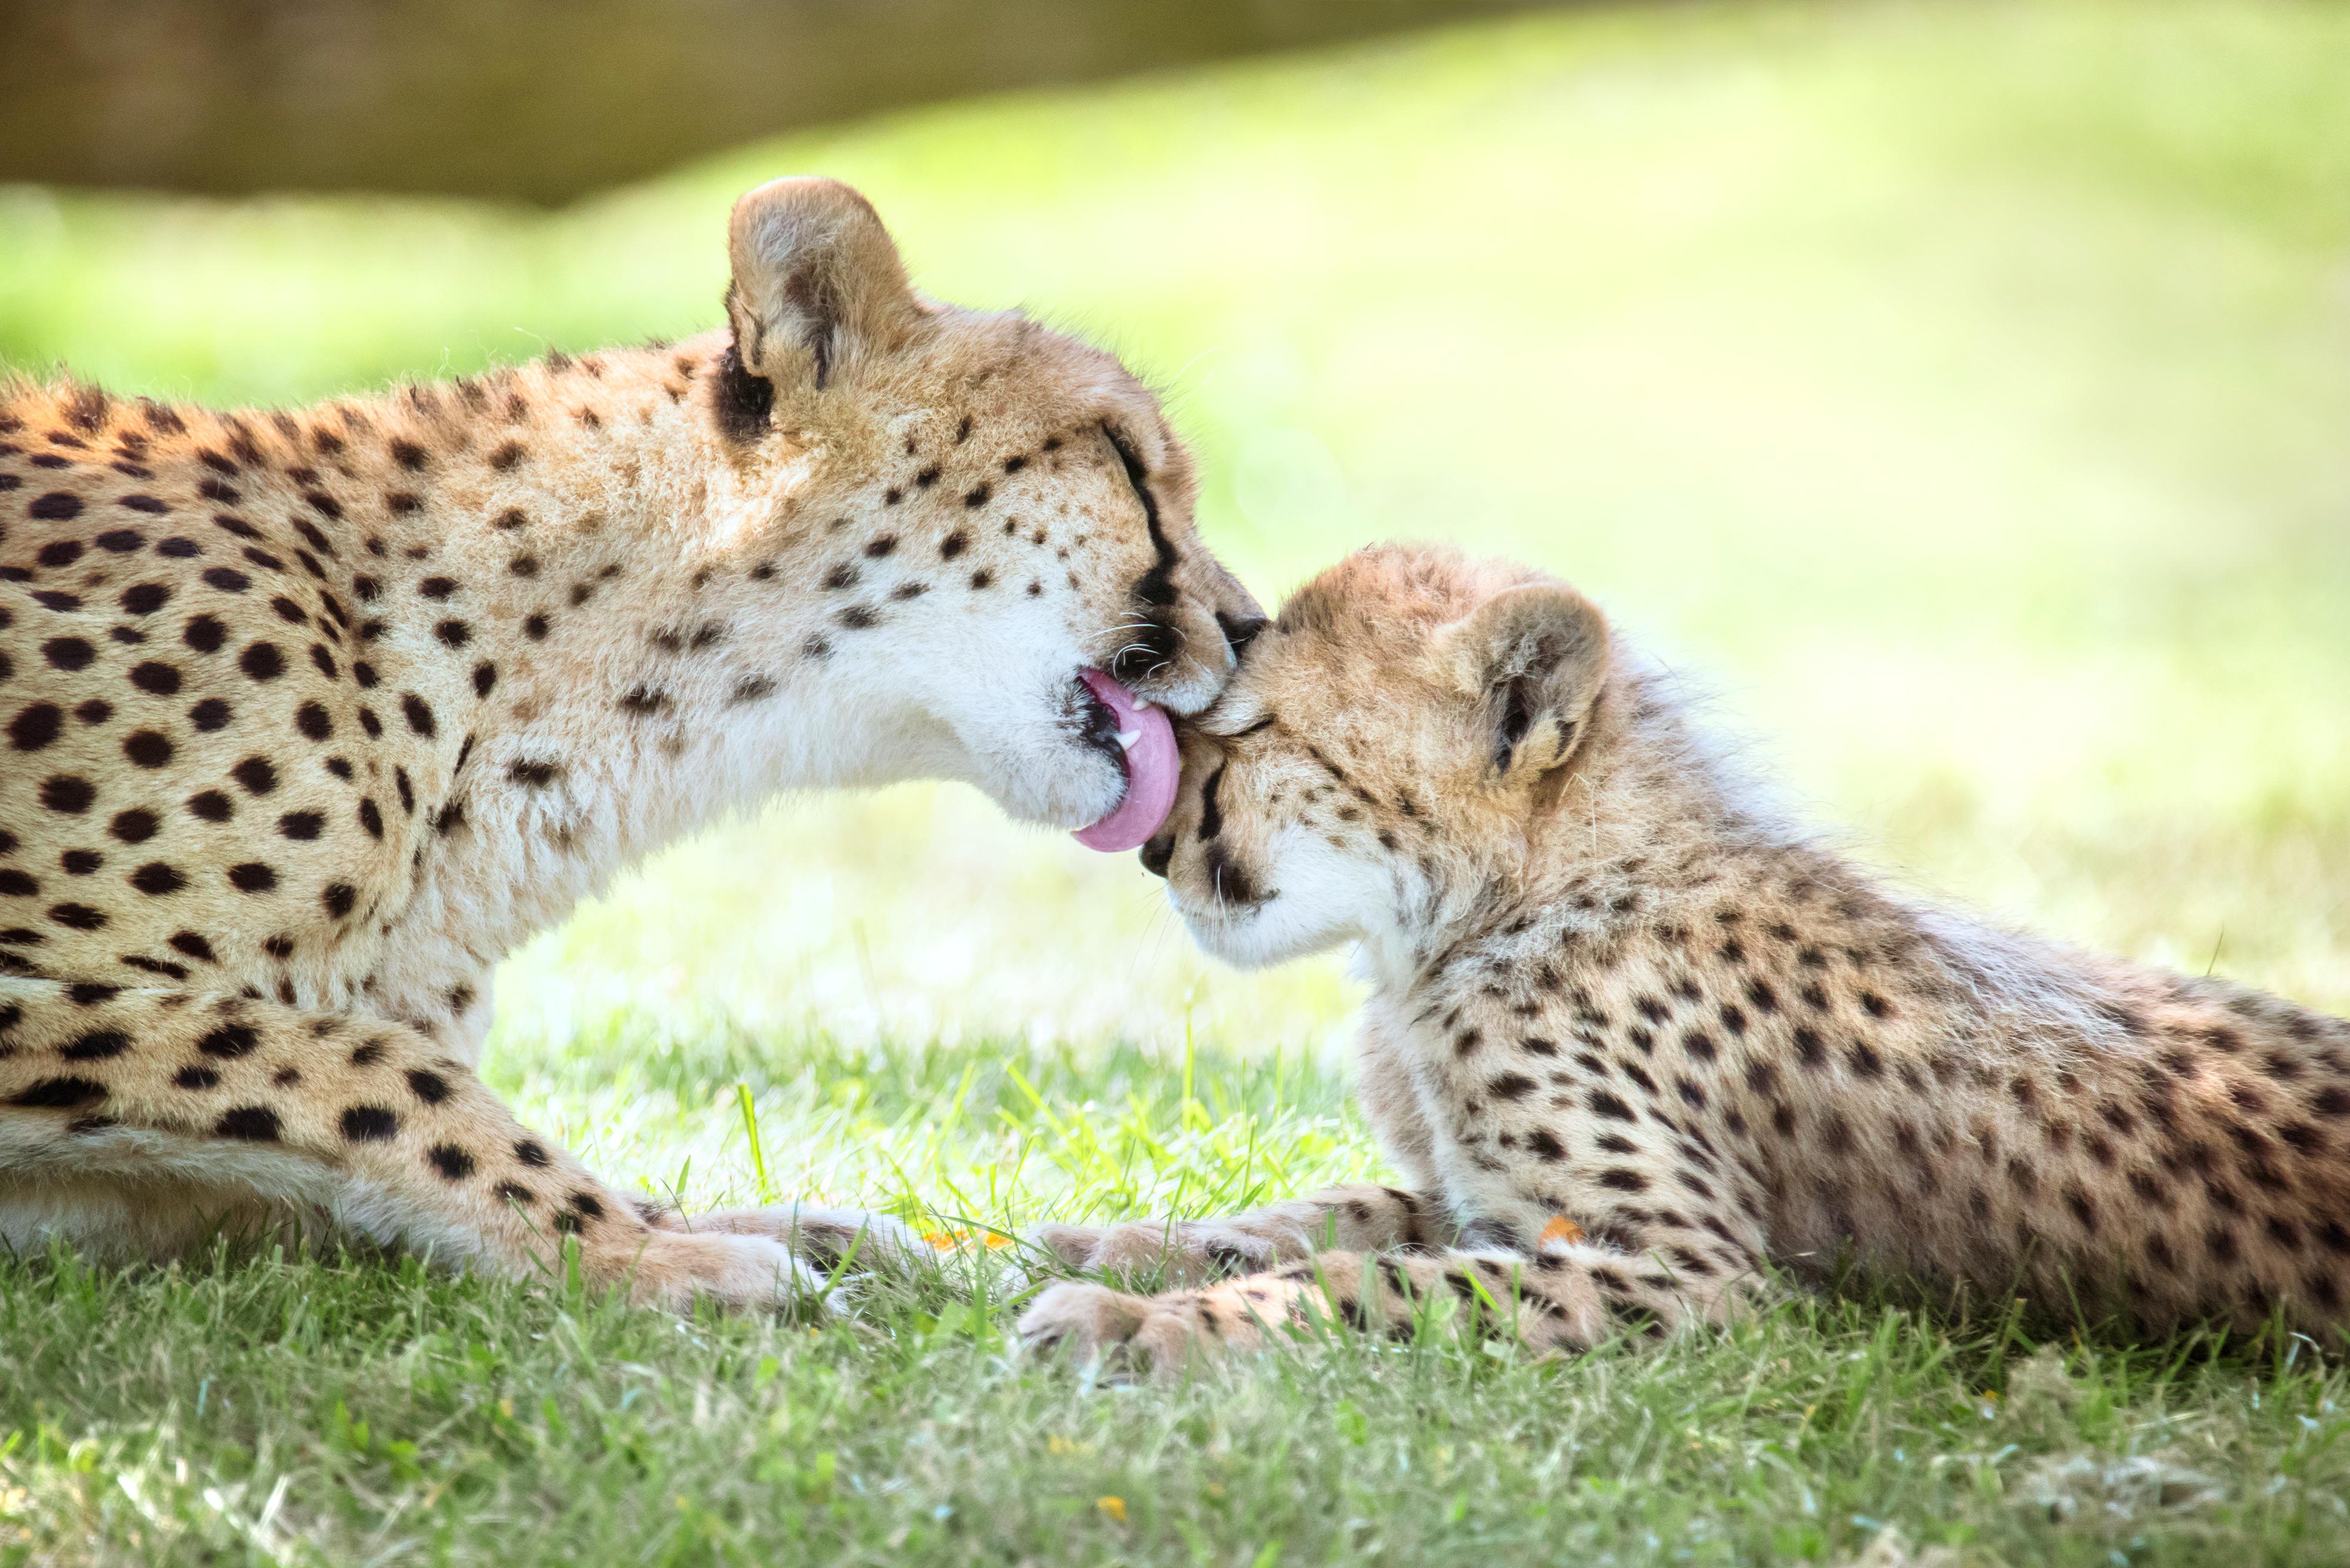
[
  {"x": 308, "y": 717},
  {"x": 1633, "y": 1036}
]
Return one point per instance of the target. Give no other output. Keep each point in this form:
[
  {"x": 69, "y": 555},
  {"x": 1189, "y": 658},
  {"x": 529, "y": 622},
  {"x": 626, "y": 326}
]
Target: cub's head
[
  {"x": 979, "y": 510},
  {"x": 1382, "y": 754}
]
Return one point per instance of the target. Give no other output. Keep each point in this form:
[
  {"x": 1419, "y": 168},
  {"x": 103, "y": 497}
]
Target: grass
[{"x": 1963, "y": 386}]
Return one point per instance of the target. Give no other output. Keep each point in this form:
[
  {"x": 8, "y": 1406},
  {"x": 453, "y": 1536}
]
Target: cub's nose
[{"x": 1158, "y": 853}]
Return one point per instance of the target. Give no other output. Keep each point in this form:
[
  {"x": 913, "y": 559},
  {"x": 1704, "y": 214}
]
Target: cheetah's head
[
  {"x": 1383, "y": 753},
  {"x": 983, "y": 511}
]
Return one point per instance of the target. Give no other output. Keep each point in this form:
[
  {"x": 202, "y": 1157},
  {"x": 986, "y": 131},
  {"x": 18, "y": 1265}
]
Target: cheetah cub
[{"x": 1631, "y": 1037}]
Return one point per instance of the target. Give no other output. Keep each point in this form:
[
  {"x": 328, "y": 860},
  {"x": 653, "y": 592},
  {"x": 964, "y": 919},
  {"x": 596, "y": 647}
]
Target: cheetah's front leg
[
  {"x": 836, "y": 1241},
  {"x": 368, "y": 1120},
  {"x": 1566, "y": 1297}
]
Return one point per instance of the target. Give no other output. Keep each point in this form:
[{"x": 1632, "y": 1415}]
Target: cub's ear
[
  {"x": 817, "y": 283},
  {"x": 1532, "y": 660}
]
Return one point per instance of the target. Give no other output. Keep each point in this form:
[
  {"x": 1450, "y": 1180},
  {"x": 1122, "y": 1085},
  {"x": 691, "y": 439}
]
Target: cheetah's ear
[
  {"x": 817, "y": 283},
  {"x": 1531, "y": 659}
]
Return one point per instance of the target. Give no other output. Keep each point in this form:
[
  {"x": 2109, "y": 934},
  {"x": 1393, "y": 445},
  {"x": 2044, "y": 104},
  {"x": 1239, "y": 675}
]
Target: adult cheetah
[
  {"x": 1632, "y": 1036},
  {"x": 307, "y": 718}
]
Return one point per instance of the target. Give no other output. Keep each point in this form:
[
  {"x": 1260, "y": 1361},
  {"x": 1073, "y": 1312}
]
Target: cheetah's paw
[
  {"x": 1096, "y": 1324},
  {"x": 1180, "y": 1251}
]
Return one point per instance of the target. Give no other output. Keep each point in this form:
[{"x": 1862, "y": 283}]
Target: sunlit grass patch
[{"x": 335, "y": 1411}]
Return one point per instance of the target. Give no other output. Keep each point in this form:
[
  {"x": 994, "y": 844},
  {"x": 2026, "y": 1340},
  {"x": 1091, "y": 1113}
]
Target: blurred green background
[
  {"x": 1960, "y": 391},
  {"x": 1964, "y": 389}
]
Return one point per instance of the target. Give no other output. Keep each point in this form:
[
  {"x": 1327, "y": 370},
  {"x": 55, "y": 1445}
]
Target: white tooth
[{"x": 1127, "y": 739}]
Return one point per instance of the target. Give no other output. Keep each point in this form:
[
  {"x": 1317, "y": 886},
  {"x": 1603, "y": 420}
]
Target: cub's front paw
[
  {"x": 676, "y": 1268},
  {"x": 1095, "y": 1323},
  {"x": 1180, "y": 1251}
]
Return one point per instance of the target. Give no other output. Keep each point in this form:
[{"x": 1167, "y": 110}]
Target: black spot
[
  {"x": 196, "y": 1078},
  {"x": 229, "y": 1041},
  {"x": 35, "y": 726},
  {"x": 57, "y": 506},
  {"x": 262, "y": 661},
  {"x": 454, "y": 1163},
  {"x": 256, "y": 775},
  {"x": 419, "y": 714},
  {"x": 59, "y": 1094},
  {"x": 1604, "y": 1104},
  {"x": 154, "y": 676},
  {"x": 144, "y": 598},
  {"x": 254, "y": 1123},
  {"x": 429, "y": 1087},
  {"x": 69, "y": 653},
  {"x": 252, "y": 877},
  {"x": 65, "y": 793},
  {"x": 96, "y": 1046},
  {"x": 532, "y": 1153},
  {"x": 369, "y": 1124},
  {"x": 147, "y": 748},
  {"x": 157, "y": 879}
]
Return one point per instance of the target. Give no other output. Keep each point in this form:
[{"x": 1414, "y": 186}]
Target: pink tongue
[{"x": 1152, "y": 769}]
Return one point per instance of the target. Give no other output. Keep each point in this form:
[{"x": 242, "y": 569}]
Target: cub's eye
[
  {"x": 1239, "y": 720},
  {"x": 1240, "y": 630}
]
